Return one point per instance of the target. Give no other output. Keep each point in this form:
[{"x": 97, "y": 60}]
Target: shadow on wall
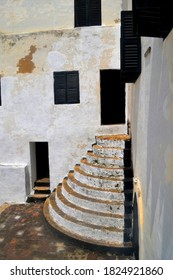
[{"x": 135, "y": 229}]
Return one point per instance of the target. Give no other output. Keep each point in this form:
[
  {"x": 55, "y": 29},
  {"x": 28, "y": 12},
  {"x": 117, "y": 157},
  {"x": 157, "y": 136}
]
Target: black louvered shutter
[
  {"x": 81, "y": 16},
  {"x": 87, "y": 12},
  {"x": 66, "y": 87},
  {"x": 130, "y": 49},
  {"x": 60, "y": 88},
  {"x": 72, "y": 87},
  {"x": 94, "y": 12},
  {"x": 152, "y": 18}
]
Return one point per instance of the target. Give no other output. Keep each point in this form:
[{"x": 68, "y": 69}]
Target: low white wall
[
  {"x": 13, "y": 179},
  {"x": 152, "y": 138}
]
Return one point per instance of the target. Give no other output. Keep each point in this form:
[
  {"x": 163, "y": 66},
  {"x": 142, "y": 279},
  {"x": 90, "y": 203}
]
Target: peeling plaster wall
[
  {"x": 28, "y": 113},
  {"x": 152, "y": 135},
  {"x": 16, "y": 15}
]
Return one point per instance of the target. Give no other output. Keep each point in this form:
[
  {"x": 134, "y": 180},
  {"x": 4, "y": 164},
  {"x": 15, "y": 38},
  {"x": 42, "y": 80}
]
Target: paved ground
[{"x": 25, "y": 235}]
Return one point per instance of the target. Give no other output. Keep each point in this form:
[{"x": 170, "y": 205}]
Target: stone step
[
  {"x": 117, "y": 141},
  {"x": 42, "y": 190},
  {"x": 91, "y": 191},
  {"x": 111, "y": 151},
  {"x": 108, "y": 161},
  {"x": 87, "y": 232},
  {"x": 100, "y": 182},
  {"x": 104, "y": 171},
  {"x": 42, "y": 182},
  {"x": 95, "y": 204},
  {"x": 93, "y": 216},
  {"x": 37, "y": 197}
]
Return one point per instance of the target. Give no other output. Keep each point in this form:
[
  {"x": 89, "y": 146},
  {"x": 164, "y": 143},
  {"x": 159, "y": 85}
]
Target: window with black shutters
[
  {"x": 130, "y": 49},
  {"x": 66, "y": 87},
  {"x": 87, "y": 12},
  {"x": 152, "y": 18}
]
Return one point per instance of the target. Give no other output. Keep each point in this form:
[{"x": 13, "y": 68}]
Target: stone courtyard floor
[{"x": 25, "y": 235}]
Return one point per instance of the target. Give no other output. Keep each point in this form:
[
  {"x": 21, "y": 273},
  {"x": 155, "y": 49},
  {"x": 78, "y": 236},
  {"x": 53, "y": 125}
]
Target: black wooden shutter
[
  {"x": 72, "y": 87},
  {"x": 60, "y": 88},
  {"x": 152, "y": 18},
  {"x": 87, "y": 12},
  {"x": 81, "y": 16},
  {"x": 66, "y": 87},
  {"x": 130, "y": 49},
  {"x": 94, "y": 12}
]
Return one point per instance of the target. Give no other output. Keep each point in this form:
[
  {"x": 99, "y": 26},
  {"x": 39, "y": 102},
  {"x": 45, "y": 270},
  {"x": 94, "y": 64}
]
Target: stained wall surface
[
  {"x": 21, "y": 16},
  {"x": 35, "y": 41},
  {"x": 152, "y": 137}
]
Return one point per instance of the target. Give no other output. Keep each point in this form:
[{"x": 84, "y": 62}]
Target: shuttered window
[
  {"x": 130, "y": 49},
  {"x": 66, "y": 87},
  {"x": 87, "y": 12},
  {"x": 152, "y": 18}
]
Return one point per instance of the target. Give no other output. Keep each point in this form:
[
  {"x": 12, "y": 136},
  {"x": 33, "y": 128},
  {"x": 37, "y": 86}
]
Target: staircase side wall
[{"x": 152, "y": 135}]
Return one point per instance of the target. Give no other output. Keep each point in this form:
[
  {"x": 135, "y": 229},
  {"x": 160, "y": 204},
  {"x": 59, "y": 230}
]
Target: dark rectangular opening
[
  {"x": 42, "y": 160},
  {"x": 112, "y": 97},
  {"x": 66, "y": 87},
  {"x": 87, "y": 12},
  {"x": 130, "y": 49}
]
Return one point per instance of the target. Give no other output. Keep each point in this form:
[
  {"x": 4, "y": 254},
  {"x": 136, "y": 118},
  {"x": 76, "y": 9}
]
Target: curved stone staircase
[{"x": 94, "y": 202}]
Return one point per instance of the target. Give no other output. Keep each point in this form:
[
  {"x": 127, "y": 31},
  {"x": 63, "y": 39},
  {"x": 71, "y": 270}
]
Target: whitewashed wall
[
  {"x": 152, "y": 135},
  {"x": 28, "y": 113},
  {"x": 21, "y": 16}
]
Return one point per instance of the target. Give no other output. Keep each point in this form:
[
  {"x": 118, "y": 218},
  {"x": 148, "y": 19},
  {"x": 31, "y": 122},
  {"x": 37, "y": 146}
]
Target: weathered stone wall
[
  {"x": 152, "y": 135},
  {"x": 30, "y": 53}
]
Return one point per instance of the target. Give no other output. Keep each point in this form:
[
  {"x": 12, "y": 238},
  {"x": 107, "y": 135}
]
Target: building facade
[
  {"x": 46, "y": 51},
  {"x": 49, "y": 50}
]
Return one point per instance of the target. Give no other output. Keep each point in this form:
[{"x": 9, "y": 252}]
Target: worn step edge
[
  {"x": 91, "y": 191},
  {"x": 114, "y": 137},
  {"x": 91, "y": 216},
  {"x": 103, "y": 170},
  {"x": 42, "y": 182},
  {"x": 115, "y": 179},
  {"x": 98, "y": 181},
  {"x": 86, "y": 228},
  {"x": 37, "y": 197},
  {"x": 120, "y": 193},
  {"x": 107, "y": 161},
  {"x": 98, "y": 193},
  {"x": 120, "y": 140},
  {"x": 111, "y": 151},
  {"x": 106, "y": 206},
  {"x": 41, "y": 188}
]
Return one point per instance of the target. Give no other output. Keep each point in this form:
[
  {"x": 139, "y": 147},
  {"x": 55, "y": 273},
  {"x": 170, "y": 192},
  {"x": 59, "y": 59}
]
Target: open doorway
[
  {"x": 112, "y": 97},
  {"x": 42, "y": 160},
  {"x": 39, "y": 154}
]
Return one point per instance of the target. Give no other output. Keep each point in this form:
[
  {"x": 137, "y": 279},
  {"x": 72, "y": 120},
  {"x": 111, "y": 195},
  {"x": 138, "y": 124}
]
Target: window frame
[
  {"x": 66, "y": 83},
  {"x": 88, "y": 13}
]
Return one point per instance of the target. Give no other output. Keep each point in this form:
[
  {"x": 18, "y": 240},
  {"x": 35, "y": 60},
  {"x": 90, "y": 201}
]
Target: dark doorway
[
  {"x": 42, "y": 160},
  {"x": 112, "y": 97}
]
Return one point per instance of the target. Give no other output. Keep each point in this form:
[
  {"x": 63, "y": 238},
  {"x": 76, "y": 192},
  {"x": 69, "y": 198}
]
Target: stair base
[{"x": 69, "y": 233}]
